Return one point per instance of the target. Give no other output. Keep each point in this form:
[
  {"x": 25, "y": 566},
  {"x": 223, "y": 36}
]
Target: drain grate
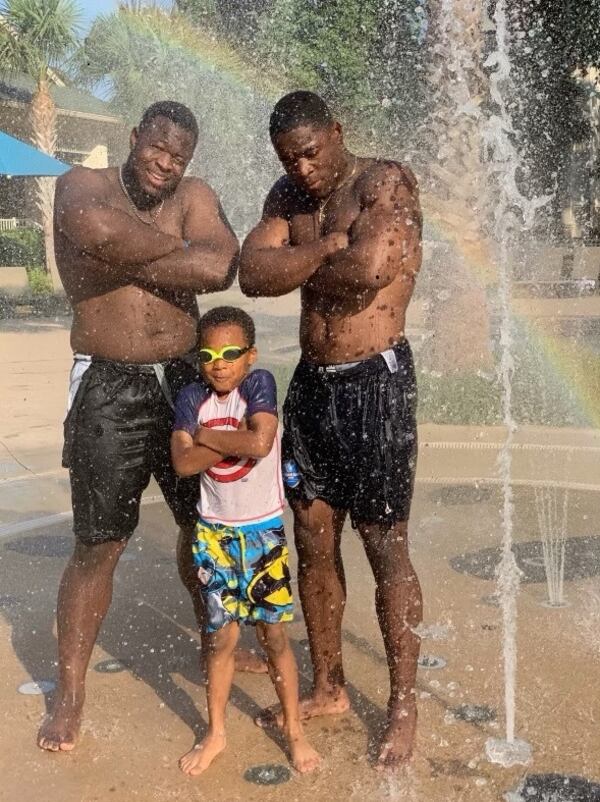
[
  {"x": 110, "y": 666},
  {"x": 268, "y": 774},
  {"x": 476, "y": 714},
  {"x": 555, "y": 788},
  {"x": 428, "y": 661}
]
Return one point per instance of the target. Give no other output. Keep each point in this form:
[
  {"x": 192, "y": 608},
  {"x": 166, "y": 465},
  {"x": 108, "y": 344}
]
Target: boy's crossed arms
[{"x": 209, "y": 446}]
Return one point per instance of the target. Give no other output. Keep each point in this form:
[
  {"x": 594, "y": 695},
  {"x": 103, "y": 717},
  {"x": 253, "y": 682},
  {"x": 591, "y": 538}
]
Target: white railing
[{"x": 10, "y": 223}]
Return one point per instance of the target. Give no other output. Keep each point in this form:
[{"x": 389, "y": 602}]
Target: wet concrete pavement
[{"x": 140, "y": 720}]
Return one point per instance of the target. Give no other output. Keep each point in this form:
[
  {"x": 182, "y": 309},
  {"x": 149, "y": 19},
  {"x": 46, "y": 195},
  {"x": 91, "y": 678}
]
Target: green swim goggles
[{"x": 229, "y": 353}]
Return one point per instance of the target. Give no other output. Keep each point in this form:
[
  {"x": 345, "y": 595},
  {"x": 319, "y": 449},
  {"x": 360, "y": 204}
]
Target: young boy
[{"x": 226, "y": 429}]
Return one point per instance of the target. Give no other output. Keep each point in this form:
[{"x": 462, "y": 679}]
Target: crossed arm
[
  {"x": 192, "y": 455},
  {"x": 269, "y": 265},
  {"x": 385, "y": 238},
  {"x": 203, "y": 259},
  {"x": 383, "y": 241}
]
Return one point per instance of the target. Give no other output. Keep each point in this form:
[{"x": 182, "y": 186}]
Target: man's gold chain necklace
[
  {"x": 323, "y": 205},
  {"x": 136, "y": 211}
]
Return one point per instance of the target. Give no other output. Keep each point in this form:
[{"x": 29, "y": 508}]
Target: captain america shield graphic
[{"x": 229, "y": 469}]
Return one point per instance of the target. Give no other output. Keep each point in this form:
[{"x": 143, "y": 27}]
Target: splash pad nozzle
[{"x": 508, "y": 753}]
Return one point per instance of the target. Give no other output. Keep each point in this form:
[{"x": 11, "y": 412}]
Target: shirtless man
[
  {"x": 347, "y": 231},
  {"x": 133, "y": 245}
]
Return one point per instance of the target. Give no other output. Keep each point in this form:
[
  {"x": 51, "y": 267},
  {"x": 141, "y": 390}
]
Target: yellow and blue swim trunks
[{"x": 243, "y": 572}]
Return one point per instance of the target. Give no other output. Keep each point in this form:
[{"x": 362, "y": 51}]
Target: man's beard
[{"x": 141, "y": 198}]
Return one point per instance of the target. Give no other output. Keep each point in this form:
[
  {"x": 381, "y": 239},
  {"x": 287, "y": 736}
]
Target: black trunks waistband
[
  {"x": 133, "y": 367},
  {"x": 160, "y": 370},
  {"x": 391, "y": 358}
]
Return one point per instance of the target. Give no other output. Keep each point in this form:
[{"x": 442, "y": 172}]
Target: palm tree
[
  {"x": 36, "y": 39},
  {"x": 144, "y": 51},
  {"x": 147, "y": 54}
]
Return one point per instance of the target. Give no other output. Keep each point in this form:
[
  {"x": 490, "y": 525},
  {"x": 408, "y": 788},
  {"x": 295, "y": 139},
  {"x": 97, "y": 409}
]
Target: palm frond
[{"x": 36, "y": 35}]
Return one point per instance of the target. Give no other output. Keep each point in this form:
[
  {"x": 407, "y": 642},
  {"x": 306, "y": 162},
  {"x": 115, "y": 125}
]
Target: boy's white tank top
[{"x": 239, "y": 490}]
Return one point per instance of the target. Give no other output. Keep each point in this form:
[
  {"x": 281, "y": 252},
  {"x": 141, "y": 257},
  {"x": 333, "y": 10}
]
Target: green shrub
[
  {"x": 22, "y": 247},
  {"x": 40, "y": 282},
  {"x": 539, "y": 396},
  {"x": 461, "y": 399},
  {"x": 7, "y": 306}
]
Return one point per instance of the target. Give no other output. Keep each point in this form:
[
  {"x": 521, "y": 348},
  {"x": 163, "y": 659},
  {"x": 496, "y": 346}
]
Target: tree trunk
[{"x": 43, "y": 122}]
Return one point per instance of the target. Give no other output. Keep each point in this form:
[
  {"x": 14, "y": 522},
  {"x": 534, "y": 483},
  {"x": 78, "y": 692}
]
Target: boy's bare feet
[
  {"x": 250, "y": 661},
  {"x": 202, "y": 755},
  {"x": 60, "y": 729},
  {"x": 398, "y": 740},
  {"x": 304, "y": 758},
  {"x": 319, "y": 704}
]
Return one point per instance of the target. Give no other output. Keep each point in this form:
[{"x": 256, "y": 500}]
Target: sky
[{"x": 91, "y": 8}]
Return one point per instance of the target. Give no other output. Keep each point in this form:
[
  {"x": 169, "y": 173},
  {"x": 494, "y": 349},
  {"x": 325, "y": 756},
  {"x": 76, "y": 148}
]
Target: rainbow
[
  {"x": 571, "y": 366},
  {"x": 172, "y": 33},
  {"x": 575, "y": 367}
]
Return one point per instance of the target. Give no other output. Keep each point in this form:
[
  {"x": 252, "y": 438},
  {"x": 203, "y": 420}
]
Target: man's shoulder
[
  {"x": 284, "y": 186},
  {"x": 379, "y": 172},
  {"x": 285, "y": 198},
  {"x": 383, "y": 179},
  {"x": 194, "y": 187},
  {"x": 85, "y": 178}
]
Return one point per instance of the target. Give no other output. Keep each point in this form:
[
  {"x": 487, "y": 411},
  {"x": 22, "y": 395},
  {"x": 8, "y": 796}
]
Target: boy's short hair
[{"x": 223, "y": 315}]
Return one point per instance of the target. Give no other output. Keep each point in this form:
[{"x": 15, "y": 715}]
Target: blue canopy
[{"x": 19, "y": 158}]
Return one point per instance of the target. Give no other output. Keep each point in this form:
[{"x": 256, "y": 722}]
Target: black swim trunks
[
  {"x": 117, "y": 435},
  {"x": 352, "y": 431}
]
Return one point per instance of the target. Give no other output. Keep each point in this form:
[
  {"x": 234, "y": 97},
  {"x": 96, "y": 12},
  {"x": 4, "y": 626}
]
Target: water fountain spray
[
  {"x": 551, "y": 504},
  {"x": 513, "y": 212}
]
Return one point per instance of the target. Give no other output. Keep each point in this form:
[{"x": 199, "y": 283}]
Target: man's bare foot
[
  {"x": 60, "y": 729},
  {"x": 319, "y": 704},
  {"x": 250, "y": 661},
  {"x": 304, "y": 757},
  {"x": 397, "y": 743},
  {"x": 202, "y": 755}
]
